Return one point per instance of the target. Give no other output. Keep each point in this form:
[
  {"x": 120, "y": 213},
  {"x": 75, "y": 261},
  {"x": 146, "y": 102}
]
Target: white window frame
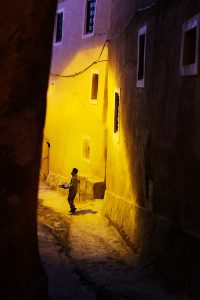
[
  {"x": 190, "y": 69},
  {"x": 142, "y": 31},
  {"x": 94, "y": 101},
  {"x": 84, "y": 34},
  {"x": 61, "y": 10}
]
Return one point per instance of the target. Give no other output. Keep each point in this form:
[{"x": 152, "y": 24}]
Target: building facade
[
  {"x": 75, "y": 131},
  {"x": 153, "y": 156},
  {"x": 132, "y": 122}
]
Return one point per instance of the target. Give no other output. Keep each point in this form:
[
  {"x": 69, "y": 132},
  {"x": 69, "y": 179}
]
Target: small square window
[
  {"x": 141, "y": 56},
  {"x": 90, "y": 11},
  {"x": 189, "y": 47},
  {"x": 95, "y": 85},
  {"x": 59, "y": 27},
  {"x": 116, "y": 112},
  {"x": 86, "y": 149}
]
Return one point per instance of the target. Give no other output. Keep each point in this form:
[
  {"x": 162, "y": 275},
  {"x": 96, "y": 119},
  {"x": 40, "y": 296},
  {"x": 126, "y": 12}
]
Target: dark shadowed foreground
[
  {"x": 85, "y": 258},
  {"x": 26, "y": 33}
]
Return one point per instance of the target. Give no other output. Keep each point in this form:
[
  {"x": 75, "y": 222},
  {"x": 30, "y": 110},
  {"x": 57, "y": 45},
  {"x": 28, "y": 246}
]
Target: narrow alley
[
  {"x": 100, "y": 97},
  {"x": 86, "y": 258}
]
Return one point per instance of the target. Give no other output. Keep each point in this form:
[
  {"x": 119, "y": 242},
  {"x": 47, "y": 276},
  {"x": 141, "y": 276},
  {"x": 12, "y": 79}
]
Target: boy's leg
[{"x": 71, "y": 201}]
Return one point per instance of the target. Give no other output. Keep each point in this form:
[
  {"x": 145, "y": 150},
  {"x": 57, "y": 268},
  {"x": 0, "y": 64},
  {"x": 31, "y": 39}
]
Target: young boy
[{"x": 73, "y": 187}]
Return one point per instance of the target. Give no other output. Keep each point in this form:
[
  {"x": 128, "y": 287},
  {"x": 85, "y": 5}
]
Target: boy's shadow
[{"x": 86, "y": 211}]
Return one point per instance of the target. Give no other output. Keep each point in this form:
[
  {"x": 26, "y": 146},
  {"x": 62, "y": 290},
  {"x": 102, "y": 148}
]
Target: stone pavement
[
  {"x": 63, "y": 282},
  {"x": 86, "y": 258}
]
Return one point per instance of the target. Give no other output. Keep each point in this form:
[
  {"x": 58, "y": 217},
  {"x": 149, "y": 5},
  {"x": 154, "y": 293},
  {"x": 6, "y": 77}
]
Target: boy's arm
[
  {"x": 64, "y": 185},
  {"x": 73, "y": 183}
]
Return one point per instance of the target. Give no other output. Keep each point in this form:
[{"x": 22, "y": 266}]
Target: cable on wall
[
  {"x": 82, "y": 71},
  {"x": 137, "y": 13}
]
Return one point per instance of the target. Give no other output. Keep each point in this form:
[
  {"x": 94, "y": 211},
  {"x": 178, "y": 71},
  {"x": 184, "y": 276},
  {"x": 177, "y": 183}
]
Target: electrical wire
[
  {"x": 137, "y": 13},
  {"x": 82, "y": 71},
  {"x": 99, "y": 60}
]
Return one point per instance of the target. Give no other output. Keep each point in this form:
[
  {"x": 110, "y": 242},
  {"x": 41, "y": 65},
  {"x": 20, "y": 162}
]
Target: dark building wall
[
  {"x": 160, "y": 123},
  {"x": 176, "y": 108},
  {"x": 25, "y": 50},
  {"x": 175, "y": 150}
]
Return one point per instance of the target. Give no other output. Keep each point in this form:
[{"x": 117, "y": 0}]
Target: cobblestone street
[{"x": 85, "y": 258}]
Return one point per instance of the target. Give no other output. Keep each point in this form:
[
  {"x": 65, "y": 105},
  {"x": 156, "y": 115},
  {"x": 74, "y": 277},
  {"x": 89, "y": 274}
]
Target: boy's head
[{"x": 74, "y": 171}]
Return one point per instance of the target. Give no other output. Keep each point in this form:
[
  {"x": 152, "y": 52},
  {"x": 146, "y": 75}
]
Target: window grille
[{"x": 90, "y": 16}]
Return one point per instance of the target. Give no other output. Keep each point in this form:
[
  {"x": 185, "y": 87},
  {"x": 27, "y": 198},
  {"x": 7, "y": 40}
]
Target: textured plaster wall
[
  {"x": 153, "y": 169},
  {"x": 89, "y": 187},
  {"x": 25, "y": 50},
  {"x": 72, "y": 118}
]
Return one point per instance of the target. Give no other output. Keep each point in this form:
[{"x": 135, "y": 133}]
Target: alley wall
[
  {"x": 76, "y": 120},
  {"x": 153, "y": 161}
]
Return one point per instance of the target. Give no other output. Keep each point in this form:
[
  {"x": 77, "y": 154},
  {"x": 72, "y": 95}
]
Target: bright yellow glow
[
  {"x": 74, "y": 119},
  {"x": 80, "y": 131},
  {"x": 120, "y": 197}
]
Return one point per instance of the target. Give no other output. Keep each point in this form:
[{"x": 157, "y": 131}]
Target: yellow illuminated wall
[
  {"x": 73, "y": 118},
  {"x": 75, "y": 123},
  {"x": 120, "y": 195}
]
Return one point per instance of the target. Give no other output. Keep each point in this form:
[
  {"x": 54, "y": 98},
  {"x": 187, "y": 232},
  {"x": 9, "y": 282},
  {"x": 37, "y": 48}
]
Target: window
[
  {"x": 95, "y": 84},
  {"x": 189, "y": 50},
  {"x": 90, "y": 11},
  {"x": 86, "y": 149},
  {"x": 189, "y": 47},
  {"x": 141, "y": 56},
  {"x": 59, "y": 26},
  {"x": 116, "y": 113}
]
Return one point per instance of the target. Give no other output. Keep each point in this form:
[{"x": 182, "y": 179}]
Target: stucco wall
[
  {"x": 153, "y": 169},
  {"x": 72, "y": 118}
]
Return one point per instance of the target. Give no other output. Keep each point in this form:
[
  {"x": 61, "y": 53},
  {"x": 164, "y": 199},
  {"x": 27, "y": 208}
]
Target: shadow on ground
[{"x": 86, "y": 211}]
